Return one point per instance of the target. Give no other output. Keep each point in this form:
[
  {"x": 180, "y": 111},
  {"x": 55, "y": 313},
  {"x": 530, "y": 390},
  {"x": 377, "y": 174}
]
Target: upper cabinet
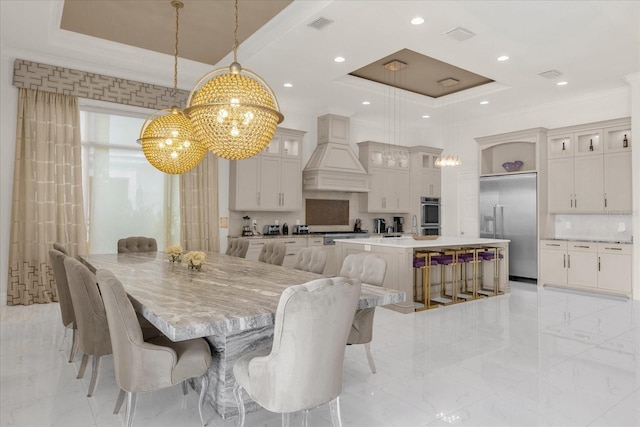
[
  {"x": 589, "y": 168},
  {"x": 513, "y": 152},
  {"x": 425, "y": 175},
  {"x": 271, "y": 180}
]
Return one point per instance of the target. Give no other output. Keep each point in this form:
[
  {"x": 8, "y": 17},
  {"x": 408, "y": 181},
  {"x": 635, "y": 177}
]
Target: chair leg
[
  {"x": 83, "y": 366},
  {"x": 74, "y": 346},
  {"x": 305, "y": 418},
  {"x": 285, "y": 419},
  {"x": 131, "y": 408},
  {"x": 94, "y": 375},
  {"x": 336, "y": 418},
  {"x": 204, "y": 387},
  {"x": 237, "y": 391},
  {"x": 185, "y": 390},
  {"x": 119, "y": 402},
  {"x": 372, "y": 365}
]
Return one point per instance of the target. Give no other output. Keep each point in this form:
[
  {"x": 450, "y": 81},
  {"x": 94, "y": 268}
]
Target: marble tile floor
[{"x": 534, "y": 357}]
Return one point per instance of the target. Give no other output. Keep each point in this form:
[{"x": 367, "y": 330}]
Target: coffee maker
[
  {"x": 398, "y": 222},
  {"x": 246, "y": 227},
  {"x": 379, "y": 225}
]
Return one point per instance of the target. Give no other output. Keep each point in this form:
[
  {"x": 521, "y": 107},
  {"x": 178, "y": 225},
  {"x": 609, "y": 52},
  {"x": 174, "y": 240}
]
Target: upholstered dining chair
[
  {"x": 238, "y": 247},
  {"x": 273, "y": 253},
  {"x": 57, "y": 258},
  {"x": 152, "y": 365},
  {"x": 60, "y": 247},
  {"x": 137, "y": 244},
  {"x": 369, "y": 269},
  {"x": 303, "y": 368},
  {"x": 311, "y": 259},
  {"x": 90, "y": 317}
]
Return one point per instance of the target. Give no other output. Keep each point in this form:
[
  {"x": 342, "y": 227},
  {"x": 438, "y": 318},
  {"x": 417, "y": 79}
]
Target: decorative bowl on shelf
[{"x": 512, "y": 166}]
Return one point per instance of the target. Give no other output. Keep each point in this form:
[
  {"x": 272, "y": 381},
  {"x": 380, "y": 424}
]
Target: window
[{"x": 123, "y": 194}]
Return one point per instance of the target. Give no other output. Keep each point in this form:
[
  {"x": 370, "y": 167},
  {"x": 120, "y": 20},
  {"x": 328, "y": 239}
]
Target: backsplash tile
[{"x": 594, "y": 227}]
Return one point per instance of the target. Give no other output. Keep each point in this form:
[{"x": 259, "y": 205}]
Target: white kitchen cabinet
[
  {"x": 390, "y": 179},
  {"x": 614, "y": 267},
  {"x": 560, "y": 176},
  {"x": 617, "y": 182},
  {"x": 588, "y": 184},
  {"x": 592, "y": 266},
  {"x": 270, "y": 181}
]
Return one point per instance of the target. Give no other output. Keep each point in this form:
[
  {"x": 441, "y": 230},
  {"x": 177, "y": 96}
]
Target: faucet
[{"x": 414, "y": 225}]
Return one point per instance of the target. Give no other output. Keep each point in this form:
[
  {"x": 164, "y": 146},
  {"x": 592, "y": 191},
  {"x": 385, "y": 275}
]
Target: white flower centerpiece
[
  {"x": 174, "y": 252},
  {"x": 194, "y": 259}
]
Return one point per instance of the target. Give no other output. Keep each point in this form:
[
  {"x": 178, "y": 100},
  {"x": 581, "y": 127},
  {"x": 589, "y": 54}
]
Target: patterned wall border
[{"x": 49, "y": 78}]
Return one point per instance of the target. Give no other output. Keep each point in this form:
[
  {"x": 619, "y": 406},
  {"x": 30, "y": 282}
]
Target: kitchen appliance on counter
[
  {"x": 508, "y": 211},
  {"x": 357, "y": 227},
  {"x": 379, "y": 225},
  {"x": 430, "y": 216},
  {"x": 285, "y": 229},
  {"x": 300, "y": 229},
  {"x": 246, "y": 226},
  {"x": 271, "y": 230},
  {"x": 398, "y": 224}
]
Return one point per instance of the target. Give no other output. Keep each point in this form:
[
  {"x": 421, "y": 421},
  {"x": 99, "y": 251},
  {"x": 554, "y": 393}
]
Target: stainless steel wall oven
[{"x": 430, "y": 216}]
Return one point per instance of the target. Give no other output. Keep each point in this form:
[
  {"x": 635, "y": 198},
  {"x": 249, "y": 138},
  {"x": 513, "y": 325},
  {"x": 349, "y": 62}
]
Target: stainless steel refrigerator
[{"x": 508, "y": 211}]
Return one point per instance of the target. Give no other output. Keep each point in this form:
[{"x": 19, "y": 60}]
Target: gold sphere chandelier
[
  {"x": 168, "y": 139},
  {"x": 235, "y": 113}
]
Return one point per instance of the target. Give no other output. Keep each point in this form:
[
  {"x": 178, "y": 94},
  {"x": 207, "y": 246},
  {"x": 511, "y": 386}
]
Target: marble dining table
[{"x": 230, "y": 301}]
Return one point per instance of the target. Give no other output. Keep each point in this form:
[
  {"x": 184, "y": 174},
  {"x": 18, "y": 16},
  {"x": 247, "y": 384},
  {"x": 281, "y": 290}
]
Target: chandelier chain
[
  {"x": 175, "y": 53},
  {"x": 235, "y": 34}
]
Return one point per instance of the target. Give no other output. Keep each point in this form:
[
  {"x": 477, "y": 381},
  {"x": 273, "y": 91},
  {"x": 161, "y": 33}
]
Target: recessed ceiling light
[
  {"x": 484, "y": 102},
  {"x": 503, "y": 58},
  {"x": 418, "y": 20},
  {"x": 366, "y": 102},
  {"x": 339, "y": 59},
  {"x": 562, "y": 83},
  {"x": 426, "y": 116},
  {"x": 287, "y": 85}
]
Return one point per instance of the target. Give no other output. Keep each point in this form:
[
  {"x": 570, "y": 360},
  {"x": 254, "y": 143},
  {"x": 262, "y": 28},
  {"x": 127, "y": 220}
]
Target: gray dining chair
[
  {"x": 237, "y": 247},
  {"x": 369, "y": 269},
  {"x": 60, "y": 247},
  {"x": 152, "y": 365},
  {"x": 137, "y": 244},
  {"x": 311, "y": 259},
  {"x": 91, "y": 318},
  {"x": 57, "y": 258},
  {"x": 273, "y": 253},
  {"x": 303, "y": 368}
]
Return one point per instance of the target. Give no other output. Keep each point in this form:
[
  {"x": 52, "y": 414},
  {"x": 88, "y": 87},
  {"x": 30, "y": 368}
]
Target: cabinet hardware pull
[
  {"x": 568, "y": 261},
  {"x": 605, "y": 200},
  {"x": 553, "y": 244},
  {"x": 564, "y": 261},
  {"x": 582, "y": 246},
  {"x": 598, "y": 263},
  {"x": 613, "y": 249},
  {"x": 575, "y": 205}
]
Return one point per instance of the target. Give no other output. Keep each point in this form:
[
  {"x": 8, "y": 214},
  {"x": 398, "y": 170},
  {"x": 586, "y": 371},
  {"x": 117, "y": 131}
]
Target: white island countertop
[{"x": 408, "y": 242}]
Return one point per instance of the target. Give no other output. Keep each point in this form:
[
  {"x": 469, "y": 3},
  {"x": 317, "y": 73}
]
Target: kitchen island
[{"x": 398, "y": 252}]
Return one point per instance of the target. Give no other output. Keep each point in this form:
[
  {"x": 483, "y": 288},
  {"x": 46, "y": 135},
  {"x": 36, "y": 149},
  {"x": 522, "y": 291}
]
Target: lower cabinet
[{"x": 588, "y": 265}]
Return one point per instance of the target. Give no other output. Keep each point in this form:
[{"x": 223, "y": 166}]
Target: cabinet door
[
  {"x": 270, "y": 183},
  {"x": 553, "y": 265},
  {"x": 290, "y": 184},
  {"x": 375, "y": 195},
  {"x": 588, "y": 184},
  {"x": 560, "y": 195},
  {"x": 582, "y": 268},
  {"x": 617, "y": 182},
  {"x": 389, "y": 190},
  {"x": 614, "y": 272},
  {"x": 432, "y": 183},
  {"x": 247, "y": 188},
  {"x": 402, "y": 192}
]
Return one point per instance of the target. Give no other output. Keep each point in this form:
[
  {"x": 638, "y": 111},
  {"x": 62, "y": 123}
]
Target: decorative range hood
[{"x": 333, "y": 166}]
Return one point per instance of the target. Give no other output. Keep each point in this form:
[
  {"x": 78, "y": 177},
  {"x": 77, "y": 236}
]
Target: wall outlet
[
  {"x": 621, "y": 227},
  {"x": 567, "y": 225}
]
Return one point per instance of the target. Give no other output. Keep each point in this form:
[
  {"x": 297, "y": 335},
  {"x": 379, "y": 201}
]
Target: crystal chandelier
[
  {"x": 448, "y": 161},
  {"x": 167, "y": 136},
  {"x": 235, "y": 113}
]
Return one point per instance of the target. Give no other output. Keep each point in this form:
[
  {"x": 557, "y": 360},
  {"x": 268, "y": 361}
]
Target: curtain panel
[
  {"x": 47, "y": 202},
  {"x": 199, "y": 206}
]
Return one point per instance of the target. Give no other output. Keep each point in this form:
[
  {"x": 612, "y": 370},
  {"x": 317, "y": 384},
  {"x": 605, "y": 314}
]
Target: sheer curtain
[
  {"x": 199, "y": 206},
  {"x": 47, "y": 193}
]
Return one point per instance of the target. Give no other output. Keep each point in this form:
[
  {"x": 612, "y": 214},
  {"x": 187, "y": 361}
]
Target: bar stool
[
  {"x": 423, "y": 261},
  {"x": 493, "y": 255},
  {"x": 446, "y": 258},
  {"x": 468, "y": 257}
]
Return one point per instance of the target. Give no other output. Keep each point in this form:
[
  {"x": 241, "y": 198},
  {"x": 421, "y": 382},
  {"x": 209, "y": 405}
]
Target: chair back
[
  {"x": 273, "y": 253},
  {"x": 238, "y": 247},
  {"x": 60, "y": 274},
  {"x": 137, "y": 244},
  {"x": 304, "y": 368},
  {"x": 311, "y": 259},
  {"x": 60, "y": 247},
  {"x": 91, "y": 317},
  {"x": 368, "y": 268}
]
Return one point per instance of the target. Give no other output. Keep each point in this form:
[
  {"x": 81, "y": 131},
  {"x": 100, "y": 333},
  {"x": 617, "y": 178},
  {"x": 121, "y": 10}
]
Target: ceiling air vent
[
  {"x": 460, "y": 34},
  {"x": 320, "y": 23},
  {"x": 551, "y": 74}
]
